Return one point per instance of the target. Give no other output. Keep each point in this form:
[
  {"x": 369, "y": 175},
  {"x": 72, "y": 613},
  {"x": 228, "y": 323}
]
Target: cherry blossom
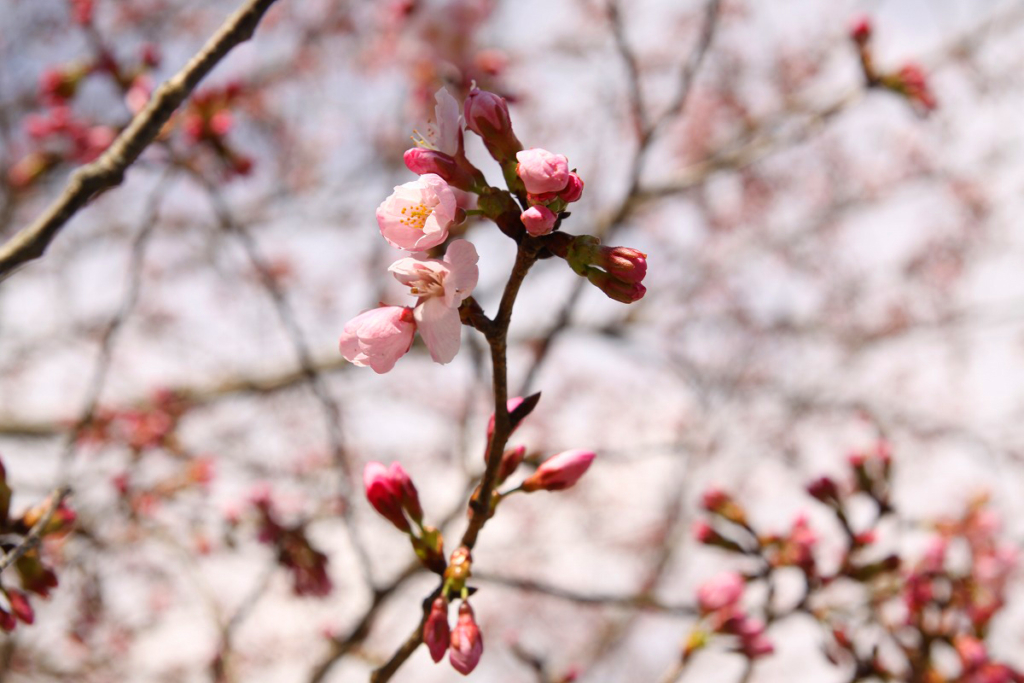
[
  {"x": 418, "y": 214},
  {"x": 441, "y": 287}
]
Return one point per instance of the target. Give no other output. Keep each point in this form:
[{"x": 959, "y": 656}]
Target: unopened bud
[
  {"x": 420, "y": 161},
  {"x": 708, "y": 535},
  {"x": 860, "y": 30},
  {"x": 436, "y": 633},
  {"x": 824, "y": 489},
  {"x": 573, "y": 190},
  {"x": 467, "y": 643},
  {"x": 407, "y": 490},
  {"x": 384, "y": 494},
  {"x": 538, "y": 220},
  {"x": 614, "y": 288},
  {"x": 623, "y": 263},
  {"x": 487, "y": 116},
  {"x": 560, "y": 472}
]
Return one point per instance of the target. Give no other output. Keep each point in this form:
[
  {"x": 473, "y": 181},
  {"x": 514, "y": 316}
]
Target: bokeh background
[{"x": 828, "y": 266}]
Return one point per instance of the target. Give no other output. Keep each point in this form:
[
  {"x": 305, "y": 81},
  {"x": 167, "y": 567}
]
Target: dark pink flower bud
[
  {"x": 560, "y": 472},
  {"x": 409, "y": 496},
  {"x": 721, "y": 592},
  {"x": 436, "y": 633},
  {"x": 384, "y": 494},
  {"x": 151, "y": 55},
  {"x": 538, "y": 220},
  {"x": 622, "y": 263},
  {"x": 971, "y": 650},
  {"x": 625, "y": 263},
  {"x": 708, "y": 535},
  {"x": 860, "y": 30},
  {"x": 914, "y": 84},
  {"x": 467, "y": 642},
  {"x": 614, "y": 288},
  {"x": 221, "y": 122},
  {"x": 420, "y": 160},
  {"x": 519, "y": 408},
  {"x": 81, "y": 11},
  {"x": 20, "y": 606},
  {"x": 487, "y": 115},
  {"x": 824, "y": 489},
  {"x": 573, "y": 190}
]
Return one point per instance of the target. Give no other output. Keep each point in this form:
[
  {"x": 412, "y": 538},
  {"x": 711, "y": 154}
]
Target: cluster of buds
[
  {"x": 421, "y": 215},
  {"x": 721, "y": 613},
  {"x": 391, "y": 493},
  {"x": 944, "y": 598},
  {"x": 207, "y": 121},
  {"x": 557, "y": 473},
  {"x": 464, "y": 642},
  {"x": 197, "y": 472},
  {"x": 57, "y": 136},
  {"x": 909, "y": 80},
  {"x": 295, "y": 553},
  {"x": 142, "y": 428},
  {"x": 550, "y": 187},
  {"x": 34, "y": 574}
]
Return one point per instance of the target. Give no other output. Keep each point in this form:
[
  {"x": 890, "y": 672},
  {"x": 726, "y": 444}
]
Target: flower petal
[
  {"x": 440, "y": 327},
  {"x": 461, "y": 258}
]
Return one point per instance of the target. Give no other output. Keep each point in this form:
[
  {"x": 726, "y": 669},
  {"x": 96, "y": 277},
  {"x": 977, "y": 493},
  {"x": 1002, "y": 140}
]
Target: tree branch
[{"x": 109, "y": 169}]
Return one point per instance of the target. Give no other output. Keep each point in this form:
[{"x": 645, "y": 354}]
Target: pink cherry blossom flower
[
  {"x": 560, "y": 472},
  {"x": 467, "y": 642},
  {"x": 378, "y": 337},
  {"x": 541, "y": 171},
  {"x": 418, "y": 214},
  {"x": 538, "y": 220},
  {"x": 441, "y": 287}
]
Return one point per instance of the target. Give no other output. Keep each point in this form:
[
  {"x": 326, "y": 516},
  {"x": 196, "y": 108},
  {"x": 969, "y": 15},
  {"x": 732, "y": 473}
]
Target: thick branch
[{"x": 109, "y": 169}]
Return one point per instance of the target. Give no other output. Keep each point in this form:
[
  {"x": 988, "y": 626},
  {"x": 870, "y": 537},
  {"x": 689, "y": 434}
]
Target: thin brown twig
[
  {"x": 109, "y": 169},
  {"x": 35, "y": 534}
]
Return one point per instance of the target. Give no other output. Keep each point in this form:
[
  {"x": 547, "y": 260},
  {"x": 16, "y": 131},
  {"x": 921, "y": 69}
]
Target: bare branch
[{"x": 109, "y": 169}]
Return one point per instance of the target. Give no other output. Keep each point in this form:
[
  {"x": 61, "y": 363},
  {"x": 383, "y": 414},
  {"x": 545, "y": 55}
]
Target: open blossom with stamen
[
  {"x": 378, "y": 337},
  {"x": 418, "y": 214},
  {"x": 441, "y": 287}
]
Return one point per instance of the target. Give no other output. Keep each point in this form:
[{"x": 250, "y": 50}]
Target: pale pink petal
[
  {"x": 440, "y": 327},
  {"x": 464, "y": 273},
  {"x": 415, "y": 271},
  {"x": 377, "y": 338},
  {"x": 449, "y": 122}
]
